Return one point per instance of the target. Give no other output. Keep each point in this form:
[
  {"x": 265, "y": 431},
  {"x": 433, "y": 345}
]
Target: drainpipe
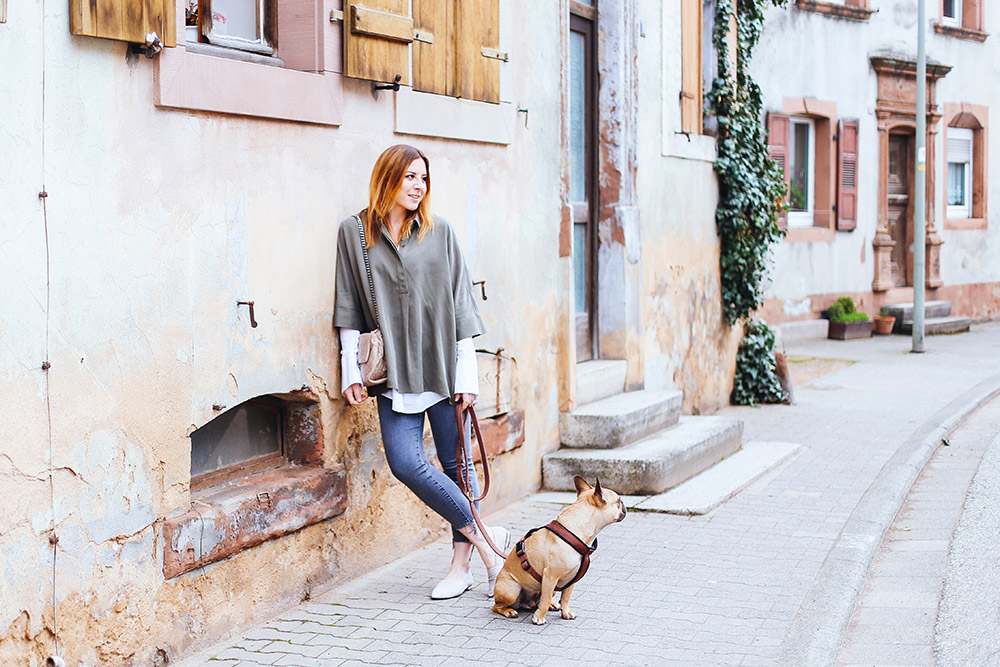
[{"x": 919, "y": 217}]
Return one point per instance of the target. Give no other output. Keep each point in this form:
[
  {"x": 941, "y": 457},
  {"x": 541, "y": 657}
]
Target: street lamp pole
[{"x": 919, "y": 216}]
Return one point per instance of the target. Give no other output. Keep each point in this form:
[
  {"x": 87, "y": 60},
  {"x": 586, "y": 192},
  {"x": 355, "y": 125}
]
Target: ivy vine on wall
[
  {"x": 751, "y": 187},
  {"x": 751, "y": 197}
]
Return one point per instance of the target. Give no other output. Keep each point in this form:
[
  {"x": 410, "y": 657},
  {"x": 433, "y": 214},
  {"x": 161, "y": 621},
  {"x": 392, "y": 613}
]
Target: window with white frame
[
  {"x": 960, "y": 172},
  {"x": 951, "y": 12},
  {"x": 802, "y": 170}
]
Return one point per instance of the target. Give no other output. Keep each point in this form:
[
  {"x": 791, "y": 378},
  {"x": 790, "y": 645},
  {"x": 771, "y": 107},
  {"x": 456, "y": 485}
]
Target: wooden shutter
[
  {"x": 377, "y": 34},
  {"x": 124, "y": 20},
  {"x": 691, "y": 84},
  {"x": 477, "y": 66},
  {"x": 434, "y": 62},
  {"x": 777, "y": 143},
  {"x": 847, "y": 174}
]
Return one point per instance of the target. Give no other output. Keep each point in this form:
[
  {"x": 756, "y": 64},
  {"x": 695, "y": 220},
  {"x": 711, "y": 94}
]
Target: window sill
[
  {"x": 233, "y": 54},
  {"x": 699, "y": 147},
  {"x": 189, "y": 79},
  {"x": 961, "y": 33},
  {"x": 810, "y": 235},
  {"x": 840, "y": 11},
  {"x": 965, "y": 223},
  {"x": 429, "y": 115},
  {"x": 227, "y": 519}
]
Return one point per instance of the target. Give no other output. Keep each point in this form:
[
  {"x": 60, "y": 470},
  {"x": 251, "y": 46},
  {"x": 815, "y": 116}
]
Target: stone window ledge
[
  {"x": 961, "y": 33},
  {"x": 965, "y": 223},
  {"x": 831, "y": 9},
  {"x": 810, "y": 235},
  {"x": 228, "y": 518}
]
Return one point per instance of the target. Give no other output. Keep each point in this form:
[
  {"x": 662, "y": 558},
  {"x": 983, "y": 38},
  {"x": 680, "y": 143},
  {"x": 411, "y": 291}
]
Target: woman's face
[{"x": 414, "y": 186}]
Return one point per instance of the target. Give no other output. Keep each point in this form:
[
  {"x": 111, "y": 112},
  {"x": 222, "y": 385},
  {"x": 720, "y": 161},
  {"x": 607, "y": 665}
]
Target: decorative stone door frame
[{"x": 896, "y": 109}]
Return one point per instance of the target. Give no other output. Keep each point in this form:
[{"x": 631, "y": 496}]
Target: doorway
[
  {"x": 582, "y": 123},
  {"x": 900, "y": 208}
]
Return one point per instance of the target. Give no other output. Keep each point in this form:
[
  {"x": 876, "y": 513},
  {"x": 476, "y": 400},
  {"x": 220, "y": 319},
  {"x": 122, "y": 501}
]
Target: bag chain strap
[{"x": 368, "y": 268}]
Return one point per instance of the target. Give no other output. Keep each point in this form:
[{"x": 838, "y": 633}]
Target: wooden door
[
  {"x": 582, "y": 178},
  {"x": 900, "y": 212}
]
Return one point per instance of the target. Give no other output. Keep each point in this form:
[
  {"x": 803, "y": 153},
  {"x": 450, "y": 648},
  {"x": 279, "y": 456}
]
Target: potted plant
[
  {"x": 846, "y": 323},
  {"x": 884, "y": 323}
]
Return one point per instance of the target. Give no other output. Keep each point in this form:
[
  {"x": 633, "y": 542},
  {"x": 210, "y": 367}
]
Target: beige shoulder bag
[{"x": 371, "y": 348}]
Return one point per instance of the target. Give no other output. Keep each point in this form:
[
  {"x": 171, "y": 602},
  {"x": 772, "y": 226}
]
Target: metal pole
[{"x": 920, "y": 189}]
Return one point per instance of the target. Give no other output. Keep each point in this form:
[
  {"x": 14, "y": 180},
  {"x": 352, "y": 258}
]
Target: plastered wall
[{"x": 156, "y": 222}]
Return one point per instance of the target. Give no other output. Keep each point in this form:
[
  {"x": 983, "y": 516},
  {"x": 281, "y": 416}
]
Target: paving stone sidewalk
[{"x": 726, "y": 588}]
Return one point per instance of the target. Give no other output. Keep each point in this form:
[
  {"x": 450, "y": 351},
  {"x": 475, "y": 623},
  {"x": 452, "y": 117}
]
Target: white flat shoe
[
  {"x": 448, "y": 588},
  {"x": 501, "y": 538}
]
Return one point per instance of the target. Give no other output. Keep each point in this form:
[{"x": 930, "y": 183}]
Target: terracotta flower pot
[{"x": 884, "y": 324}]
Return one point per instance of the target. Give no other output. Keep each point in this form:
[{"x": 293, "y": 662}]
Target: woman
[{"x": 428, "y": 316}]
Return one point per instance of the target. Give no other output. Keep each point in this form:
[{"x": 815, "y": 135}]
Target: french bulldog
[{"x": 554, "y": 559}]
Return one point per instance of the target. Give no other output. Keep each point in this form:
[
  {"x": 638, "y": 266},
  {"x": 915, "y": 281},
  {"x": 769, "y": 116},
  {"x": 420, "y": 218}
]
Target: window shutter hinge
[
  {"x": 495, "y": 53},
  {"x": 336, "y": 15},
  {"x": 423, "y": 36}
]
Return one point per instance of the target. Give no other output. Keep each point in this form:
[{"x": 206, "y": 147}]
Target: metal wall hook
[
  {"x": 482, "y": 286},
  {"x": 387, "y": 86},
  {"x": 253, "y": 321}
]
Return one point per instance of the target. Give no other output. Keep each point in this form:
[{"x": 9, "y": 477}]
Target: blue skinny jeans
[{"x": 403, "y": 440}]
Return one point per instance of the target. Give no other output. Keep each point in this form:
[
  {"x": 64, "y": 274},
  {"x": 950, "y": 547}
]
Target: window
[
  {"x": 801, "y": 170},
  {"x": 237, "y": 442},
  {"x": 245, "y": 25},
  {"x": 959, "y": 172},
  {"x": 951, "y": 12},
  {"x": 962, "y": 18},
  {"x": 964, "y": 188}
]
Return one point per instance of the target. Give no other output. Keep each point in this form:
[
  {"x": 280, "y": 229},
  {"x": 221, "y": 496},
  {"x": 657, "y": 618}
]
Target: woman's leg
[{"x": 402, "y": 435}]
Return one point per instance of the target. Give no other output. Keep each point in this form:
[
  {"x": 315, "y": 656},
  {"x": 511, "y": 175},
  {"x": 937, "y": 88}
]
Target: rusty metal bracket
[
  {"x": 482, "y": 286},
  {"x": 253, "y": 320},
  {"x": 387, "y": 86}
]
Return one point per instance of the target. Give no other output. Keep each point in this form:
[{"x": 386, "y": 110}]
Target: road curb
[{"x": 818, "y": 630}]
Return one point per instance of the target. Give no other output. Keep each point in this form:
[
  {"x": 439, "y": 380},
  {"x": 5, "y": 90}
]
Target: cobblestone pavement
[{"x": 771, "y": 576}]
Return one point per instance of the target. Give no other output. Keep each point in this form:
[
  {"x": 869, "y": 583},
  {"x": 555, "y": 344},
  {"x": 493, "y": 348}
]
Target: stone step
[
  {"x": 619, "y": 419},
  {"x": 903, "y": 312},
  {"x": 652, "y": 465},
  {"x": 935, "y": 326},
  {"x": 704, "y": 492},
  {"x": 599, "y": 379}
]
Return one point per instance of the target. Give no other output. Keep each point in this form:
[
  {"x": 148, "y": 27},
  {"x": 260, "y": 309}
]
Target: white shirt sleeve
[
  {"x": 350, "y": 371},
  {"x": 466, "y": 368}
]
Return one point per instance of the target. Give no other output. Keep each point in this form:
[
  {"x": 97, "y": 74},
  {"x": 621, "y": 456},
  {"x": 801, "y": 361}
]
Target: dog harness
[{"x": 569, "y": 538}]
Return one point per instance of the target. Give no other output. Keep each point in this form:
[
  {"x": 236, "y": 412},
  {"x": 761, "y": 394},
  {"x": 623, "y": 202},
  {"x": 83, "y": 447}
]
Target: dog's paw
[
  {"x": 554, "y": 606},
  {"x": 568, "y": 615},
  {"x": 537, "y": 619},
  {"x": 505, "y": 611}
]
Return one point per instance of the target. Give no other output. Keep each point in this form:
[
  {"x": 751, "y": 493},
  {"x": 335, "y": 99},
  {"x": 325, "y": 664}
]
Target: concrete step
[
  {"x": 599, "y": 379},
  {"x": 934, "y": 326},
  {"x": 903, "y": 312},
  {"x": 619, "y": 419},
  {"x": 652, "y": 465},
  {"x": 704, "y": 492}
]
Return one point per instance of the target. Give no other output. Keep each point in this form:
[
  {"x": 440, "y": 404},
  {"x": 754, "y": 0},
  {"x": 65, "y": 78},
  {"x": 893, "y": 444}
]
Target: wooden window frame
[
  {"x": 973, "y": 117},
  {"x": 266, "y": 44}
]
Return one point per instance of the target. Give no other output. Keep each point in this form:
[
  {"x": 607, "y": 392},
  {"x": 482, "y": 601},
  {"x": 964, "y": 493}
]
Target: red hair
[{"x": 387, "y": 178}]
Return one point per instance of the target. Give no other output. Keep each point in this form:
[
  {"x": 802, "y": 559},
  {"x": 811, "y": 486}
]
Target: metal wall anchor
[
  {"x": 482, "y": 286},
  {"x": 253, "y": 321}
]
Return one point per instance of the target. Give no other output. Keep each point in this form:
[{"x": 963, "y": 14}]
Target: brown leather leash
[
  {"x": 464, "y": 482},
  {"x": 569, "y": 538}
]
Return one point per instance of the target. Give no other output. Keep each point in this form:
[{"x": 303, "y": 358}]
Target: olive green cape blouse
[{"x": 425, "y": 303}]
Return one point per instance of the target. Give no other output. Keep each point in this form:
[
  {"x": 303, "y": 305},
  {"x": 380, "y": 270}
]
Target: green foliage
[
  {"x": 843, "y": 310},
  {"x": 755, "y": 380},
  {"x": 751, "y": 187}
]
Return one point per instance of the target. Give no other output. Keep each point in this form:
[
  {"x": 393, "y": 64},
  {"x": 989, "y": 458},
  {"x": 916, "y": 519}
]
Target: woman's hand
[
  {"x": 465, "y": 401},
  {"x": 355, "y": 394}
]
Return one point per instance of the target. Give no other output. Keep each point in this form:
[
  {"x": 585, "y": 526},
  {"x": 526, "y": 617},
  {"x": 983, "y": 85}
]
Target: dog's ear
[
  {"x": 581, "y": 485},
  {"x": 598, "y": 494}
]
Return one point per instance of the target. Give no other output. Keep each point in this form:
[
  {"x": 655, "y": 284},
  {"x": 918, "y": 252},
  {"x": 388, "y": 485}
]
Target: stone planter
[
  {"x": 850, "y": 330},
  {"x": 884, "y": 324}
]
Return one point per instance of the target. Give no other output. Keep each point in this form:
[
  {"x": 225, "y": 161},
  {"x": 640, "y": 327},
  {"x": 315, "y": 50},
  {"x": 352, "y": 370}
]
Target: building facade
[
  {"x": 844, "y": 126},
  {"x": 177, "y": 457}
]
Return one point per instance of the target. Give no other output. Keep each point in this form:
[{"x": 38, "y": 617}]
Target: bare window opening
[{"x": 238, "y": 442}]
